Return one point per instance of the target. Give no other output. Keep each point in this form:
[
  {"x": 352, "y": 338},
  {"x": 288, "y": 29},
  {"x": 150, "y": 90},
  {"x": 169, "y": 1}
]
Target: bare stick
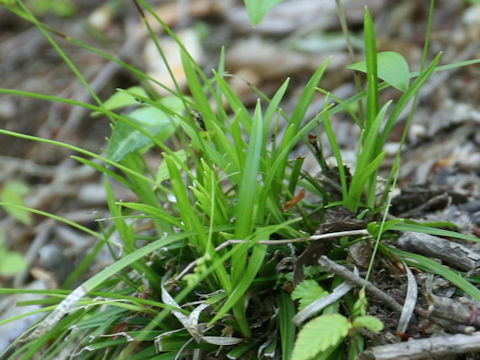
[
  {"x": 276, "y": 242},
  {"x": 434, "y": 347},
  {"x": 342, "y": 271}
]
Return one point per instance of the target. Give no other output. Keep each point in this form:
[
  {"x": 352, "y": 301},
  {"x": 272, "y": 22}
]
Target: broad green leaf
[
  {"x": 122, "y": 99},
  {"x": 308, "y": 291},
  {"x": 258, "y": 8},
  {"x": 405, "y": 98},
  {"x": 125, "y": 139},
  {"x": 13, "y": 192},
  {"x": 11, "y": 262},
  {"x": 320, "y": 334},
  {"x": 369, "y": 322},
  {"x": 392, "y": 68}
]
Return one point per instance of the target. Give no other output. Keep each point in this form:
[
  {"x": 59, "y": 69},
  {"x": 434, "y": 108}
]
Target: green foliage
[
  {"x": 324, "y": 333},
  {"x": 11, "y": 262},
  {"x": 320, "y": 334},
  {"x": 286, "y": 312},
  {"x": 307, "y": 292},
  {"x": 13, "y": 193},
  {"x": 126, "y": 138},
  {"x": 224, "y": 176},
  {"x": 392, "y": 68},
  {"x": 368, "y": 322},
  {"x": 60, "y": 8},
  {"x": 258, "y": 8},
  {"x": 124, "y": 98}
]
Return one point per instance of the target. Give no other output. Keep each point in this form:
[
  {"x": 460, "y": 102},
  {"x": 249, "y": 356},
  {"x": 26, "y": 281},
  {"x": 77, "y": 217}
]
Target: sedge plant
[{"x": 183, "y": 289}]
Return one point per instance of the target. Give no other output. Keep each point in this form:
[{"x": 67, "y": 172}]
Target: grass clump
[{"x": 224, "y": 206}]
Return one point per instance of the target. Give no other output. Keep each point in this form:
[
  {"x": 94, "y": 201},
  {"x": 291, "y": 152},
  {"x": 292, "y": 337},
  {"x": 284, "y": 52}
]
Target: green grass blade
[
  {"x": 192, "y": 221},
  {"x": 372, "y": 75},
  {"x": 55, "y": 217},
  {"x": 258, "y": 9},
  {"x": 234, "y": 101},
  {"x": 392, "y": 68},
  {"x": 65, "y": 58},
  {"x": 296, "y": 120},
  {"x": 83, "y": 266},
  {"x": 432, "y": 266},
  {"x": 245, "y": 213},
  {"x": 138, "y": 254},
  {"x": 104, "y": 170},
  {"x": 433, "y": 231},
  {"x": 153, "y": 211},
  {"x": 336, "y": 151},
  {"x": 273, "y": 107},
  {"x": 360, "y": 180},
  {"x": 295, "y": 174},
  {"x": 273, "y": 173},
  {"x": 355, "y": 190},
  {"x": 201, "y": 101},
  {"x": 188, "y": 215},
  {"x": 52, "y": 319},
  {"x": 286, "y": 312},
  {"x": 238, "y": 294}
]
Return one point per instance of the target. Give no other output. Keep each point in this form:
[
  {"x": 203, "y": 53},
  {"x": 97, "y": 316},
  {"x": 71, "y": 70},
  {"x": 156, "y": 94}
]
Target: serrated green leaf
[
  {"x": 392, "y": 68},
  {"x": 13, "y": 193},
  {"x": 308, "y": 291},
  {"x": 258, "y": 8},
  {"x": 369, "y": 322},
  {"x": 320, "y": 334}
]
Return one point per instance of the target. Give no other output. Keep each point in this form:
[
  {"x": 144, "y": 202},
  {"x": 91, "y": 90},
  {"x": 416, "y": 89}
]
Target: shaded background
[{"x": 292, "y": 41}]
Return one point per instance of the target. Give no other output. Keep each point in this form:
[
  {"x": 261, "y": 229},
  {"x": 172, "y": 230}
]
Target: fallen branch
[{"x": 433, "y": 347}]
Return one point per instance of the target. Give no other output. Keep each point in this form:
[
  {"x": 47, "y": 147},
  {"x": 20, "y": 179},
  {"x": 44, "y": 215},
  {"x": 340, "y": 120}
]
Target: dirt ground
[{"x": 440, "y": 165}]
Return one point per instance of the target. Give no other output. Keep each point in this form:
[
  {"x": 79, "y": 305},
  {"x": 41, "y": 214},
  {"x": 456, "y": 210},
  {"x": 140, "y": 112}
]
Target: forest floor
[{"x": 440, "y": 168}]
